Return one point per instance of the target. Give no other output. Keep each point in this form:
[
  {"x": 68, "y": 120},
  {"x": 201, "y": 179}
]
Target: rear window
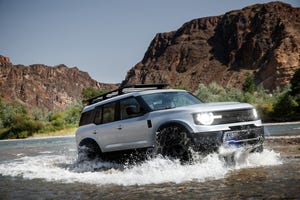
[{"x": 86, "y": 118}]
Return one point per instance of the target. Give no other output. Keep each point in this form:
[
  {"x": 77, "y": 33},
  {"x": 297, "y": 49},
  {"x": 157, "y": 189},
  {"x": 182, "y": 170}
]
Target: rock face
[
  {"x": 263, "y": 39},
  {"x": 42, "y": 86}
]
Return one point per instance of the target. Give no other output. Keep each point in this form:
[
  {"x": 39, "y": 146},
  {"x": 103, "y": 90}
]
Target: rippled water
[{"x": 48, "y": 168}]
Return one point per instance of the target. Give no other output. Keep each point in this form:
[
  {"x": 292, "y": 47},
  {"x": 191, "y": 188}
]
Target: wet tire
[
  {"x": 88, "y": 150},
  {"x": 258, "y": 149},
  {"x": 172, "y": 141}
]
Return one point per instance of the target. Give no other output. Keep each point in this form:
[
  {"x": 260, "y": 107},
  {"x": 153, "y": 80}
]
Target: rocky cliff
[
  {"x": 263, "y": 39},
  {"x": 43, "y": 86}
]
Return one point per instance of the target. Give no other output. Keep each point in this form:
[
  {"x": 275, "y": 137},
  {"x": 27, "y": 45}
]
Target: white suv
[{"x": 148, "y": 119}]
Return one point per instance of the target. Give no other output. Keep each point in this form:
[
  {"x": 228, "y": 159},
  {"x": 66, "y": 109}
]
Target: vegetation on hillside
[
  {"x": 278, "y": 105},
  {"x": 88, "y": 93},
  {"x": 17, "y": 122}
]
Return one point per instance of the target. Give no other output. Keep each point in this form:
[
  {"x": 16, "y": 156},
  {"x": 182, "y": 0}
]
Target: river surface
[{"x": 48, "y": 169}]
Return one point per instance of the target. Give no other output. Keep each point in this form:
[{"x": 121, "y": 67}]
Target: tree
[
  {"x": 295, "y": 86},
  {"x": 295, "y": 83},
  {"x": 285, "y": 107},
  {"x": 295, "y": 89},
  {"x": 9, "y": 111},
  {"x": 1, "y": 113},
  {"x": 249, "y": 84}
]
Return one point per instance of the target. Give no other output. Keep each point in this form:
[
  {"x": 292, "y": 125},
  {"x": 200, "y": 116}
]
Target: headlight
[
  {"x": 205, "y": 118},
  {"x": 255, "y": 115}
]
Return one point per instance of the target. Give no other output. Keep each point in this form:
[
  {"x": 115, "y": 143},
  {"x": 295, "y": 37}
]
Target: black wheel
[
  {"x": 88, "y": 150},
  {"x": 172, "y": 141},
  {"x": 258, "y": 149}
]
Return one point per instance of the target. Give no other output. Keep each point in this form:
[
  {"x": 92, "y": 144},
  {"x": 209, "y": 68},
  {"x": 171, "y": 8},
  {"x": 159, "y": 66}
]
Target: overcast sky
[{"x": 103, "y": 38}]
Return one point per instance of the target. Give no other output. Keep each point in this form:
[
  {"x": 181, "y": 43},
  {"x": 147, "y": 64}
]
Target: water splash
[{"x": 66, "y": 169}]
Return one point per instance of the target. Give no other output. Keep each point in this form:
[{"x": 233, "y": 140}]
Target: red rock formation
[
  {"x": 43, "y": 86},
  {"x": 4, "y": 59},
  {"x": 263, "y": 39}
]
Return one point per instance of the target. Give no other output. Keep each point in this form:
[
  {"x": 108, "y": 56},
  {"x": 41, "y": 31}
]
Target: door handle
[
  {"x": 119, "y": 127},
  {"x": 95, "y": 132}
]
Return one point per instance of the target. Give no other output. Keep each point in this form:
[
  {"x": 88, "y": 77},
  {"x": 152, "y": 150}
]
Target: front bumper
[{"x": 237, "y": 137}]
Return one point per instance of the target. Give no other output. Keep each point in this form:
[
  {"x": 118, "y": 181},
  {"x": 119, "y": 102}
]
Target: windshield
[{"x": 167, "y": 100}]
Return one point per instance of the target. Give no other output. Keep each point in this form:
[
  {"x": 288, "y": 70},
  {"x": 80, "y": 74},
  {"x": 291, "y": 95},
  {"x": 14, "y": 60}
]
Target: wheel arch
[
  {"x": 89, "y": 140},
  {"x": 176, "y": 122}
]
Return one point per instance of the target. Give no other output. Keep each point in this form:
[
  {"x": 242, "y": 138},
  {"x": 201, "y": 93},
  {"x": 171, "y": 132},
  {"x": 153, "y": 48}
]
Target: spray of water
[{"x": 66, "y": 169}]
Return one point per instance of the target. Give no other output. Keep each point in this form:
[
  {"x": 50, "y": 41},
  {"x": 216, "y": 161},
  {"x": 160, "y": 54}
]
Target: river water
[{"x": 48, "y": 169}]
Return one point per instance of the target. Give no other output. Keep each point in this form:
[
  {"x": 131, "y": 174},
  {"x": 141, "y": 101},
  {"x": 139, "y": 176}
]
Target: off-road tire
[
  {"x": 172, "y": 141},
  {"x": 88, "y": 150}
]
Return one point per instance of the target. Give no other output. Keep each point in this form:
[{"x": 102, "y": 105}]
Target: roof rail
[{"x": 121, "y": 90}]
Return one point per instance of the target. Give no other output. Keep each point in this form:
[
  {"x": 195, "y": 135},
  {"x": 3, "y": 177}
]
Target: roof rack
[{"x": 125, "y": 89}]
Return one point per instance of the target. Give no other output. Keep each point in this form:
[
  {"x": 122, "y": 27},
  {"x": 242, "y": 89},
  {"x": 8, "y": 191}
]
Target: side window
[
  {"x": 130, "y": 108},
  {"x": 108, "y": 113},
  {"x": 85, "y": 118},
  {"x": 98, "y": 116}
]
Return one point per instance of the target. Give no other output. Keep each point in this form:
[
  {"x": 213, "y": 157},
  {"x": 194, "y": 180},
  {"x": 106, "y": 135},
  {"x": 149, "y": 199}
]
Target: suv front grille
[
  {"x": 246, "y": 136},
  {"x": 234, "y": 116}
]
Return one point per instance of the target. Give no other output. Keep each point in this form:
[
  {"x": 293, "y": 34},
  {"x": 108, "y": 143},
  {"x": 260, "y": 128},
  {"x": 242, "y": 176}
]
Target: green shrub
[
  {"x": 212, "y": 93},
  {"x": 265, "y": 110},
  {"x": 58, "y": 124},
  {"x": 232, "y": 94},
  {"x": 90, "y": 92},
  {"x": 57, "y": 120},
  {"x": 8, "y": 112},
  {"x": 24, "y": 134},
  {"x": 285, "y": 108},
  {"x": 249, "y": 98},
  {"x": 72, "y": 114},
  {"x": 181, "y": 87},
  {"x": 23, "y": 123},
  {"x": 249, "y": 84},
  {"x": 278, "y": 105},
  {"x": 295, "y": 84},
  {"x": 203, "y": 93},
  {"x": 295, "y": 89}
]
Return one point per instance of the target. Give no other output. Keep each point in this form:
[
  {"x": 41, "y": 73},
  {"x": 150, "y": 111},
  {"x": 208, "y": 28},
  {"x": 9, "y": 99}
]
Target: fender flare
[{"x": 176, "y": 122}]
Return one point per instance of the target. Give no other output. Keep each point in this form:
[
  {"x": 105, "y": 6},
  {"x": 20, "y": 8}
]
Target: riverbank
[
  {"x": 281, "y": 123},
  {"x": 5, "y": 134},
  {"x": 282, "y": 129},
  {"x": 63, "y": 132}
]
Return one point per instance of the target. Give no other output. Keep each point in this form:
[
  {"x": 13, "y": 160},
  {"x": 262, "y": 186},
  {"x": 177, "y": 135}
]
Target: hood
[{"x": 217, "y": 106}]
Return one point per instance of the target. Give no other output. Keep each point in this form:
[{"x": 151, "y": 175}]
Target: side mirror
[{"x": 132, "y": 110}]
